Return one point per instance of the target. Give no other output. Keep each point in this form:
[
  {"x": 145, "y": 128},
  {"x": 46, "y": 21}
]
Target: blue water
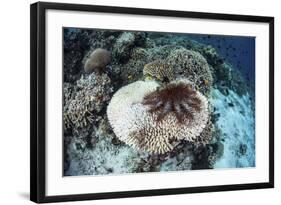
[{"x": 239, "y": 51}]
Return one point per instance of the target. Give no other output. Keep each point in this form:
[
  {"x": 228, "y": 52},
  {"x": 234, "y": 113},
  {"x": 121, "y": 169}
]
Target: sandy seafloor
[{"x": 91, "y": 148}]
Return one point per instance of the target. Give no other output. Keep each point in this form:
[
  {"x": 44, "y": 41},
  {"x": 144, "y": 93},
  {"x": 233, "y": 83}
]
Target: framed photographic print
[{"x": 129, "y": 102}]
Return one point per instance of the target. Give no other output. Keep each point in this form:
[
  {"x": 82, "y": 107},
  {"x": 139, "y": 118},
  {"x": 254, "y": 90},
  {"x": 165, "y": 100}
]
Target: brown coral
[
  {"x": 179, "y": 99},
  {"x": 159, "y": 70},
  {"x": 97, "y": 60},
  {"x": 193, "y": 66}
]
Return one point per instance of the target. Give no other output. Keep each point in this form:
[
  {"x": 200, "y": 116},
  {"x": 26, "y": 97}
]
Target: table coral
[{"x": 133, "y": 122}]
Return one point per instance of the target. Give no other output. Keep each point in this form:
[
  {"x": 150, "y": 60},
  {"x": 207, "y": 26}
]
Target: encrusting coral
[
  {"x": 158, "y": 70},
  {"x": 132, "y": 117},
  {"x": 97, "y": 60}
]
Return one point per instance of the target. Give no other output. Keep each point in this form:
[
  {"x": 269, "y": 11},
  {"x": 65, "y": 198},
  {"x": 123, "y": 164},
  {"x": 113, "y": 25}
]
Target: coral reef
[
  {"x": 133, "y": 122},
  {"x": 90, "y": 97},
  {"x": 223, "y": 75},
  {"x": 226, "y": 78},
  {"x": 173, "y": 100},
  {"x": 97, "y": 60},
  {"x": 132, "y": 70},
  {"x": 101, "y": 157},
  {"x": 207, "y": 134},
  {"x": 193, "y": 66},
  {"x": 180, "y": 162},
  {"x": 124, "y": 45},
  {"x": 75, "y": 47},
  {"x": 105, "y": 156},
  {"x": 158, "y": 70},
  {"x": 211, "y": 55},
  {"x": 174, "y": 61}
]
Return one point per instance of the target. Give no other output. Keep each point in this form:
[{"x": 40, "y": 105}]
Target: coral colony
[
  {"x": 153, "y": 119},
  {"x": 97, "y": 61},
  {"x": 151, "y": 102}
]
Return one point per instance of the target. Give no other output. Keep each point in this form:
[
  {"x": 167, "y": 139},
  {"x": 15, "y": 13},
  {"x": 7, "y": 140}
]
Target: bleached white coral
[{"x": 134, "y": 123}]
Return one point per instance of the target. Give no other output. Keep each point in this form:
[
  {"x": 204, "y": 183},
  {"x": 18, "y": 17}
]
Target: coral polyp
[{"x": 179, "y": 99}]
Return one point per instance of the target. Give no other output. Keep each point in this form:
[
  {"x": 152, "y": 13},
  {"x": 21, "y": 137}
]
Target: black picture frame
[{"x": 38, "y": 101}]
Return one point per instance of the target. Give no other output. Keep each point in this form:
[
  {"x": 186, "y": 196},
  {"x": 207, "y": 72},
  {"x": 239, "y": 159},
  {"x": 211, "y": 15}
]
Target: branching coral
[
  {"x": 91, "y": 95},
  {"x": 158, "y": 70},
  {"x": 130, "y": 113},
  {"x": 97, "y": 60}
]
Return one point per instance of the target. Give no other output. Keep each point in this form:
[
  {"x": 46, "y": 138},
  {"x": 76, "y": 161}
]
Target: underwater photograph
[{"x": 138, "y": 101}]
